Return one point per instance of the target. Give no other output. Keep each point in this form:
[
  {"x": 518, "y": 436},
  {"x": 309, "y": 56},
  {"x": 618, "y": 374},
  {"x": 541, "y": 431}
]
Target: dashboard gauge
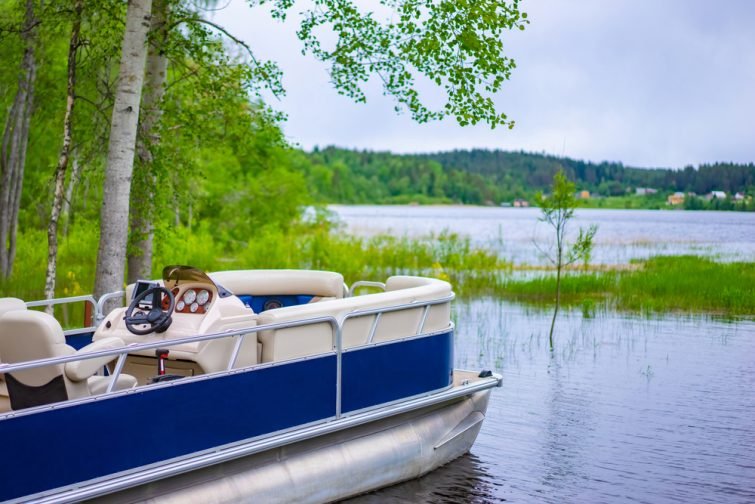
[
  {"x": 202, "y": 297},
  {"x": 194, "y": 307},
  {"x": 180, "y": 306},
  {"x": 190, "y": 296}
]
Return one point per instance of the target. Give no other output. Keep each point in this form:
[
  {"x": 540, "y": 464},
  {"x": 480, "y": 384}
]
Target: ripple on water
[{"x": 626, "y": 410}]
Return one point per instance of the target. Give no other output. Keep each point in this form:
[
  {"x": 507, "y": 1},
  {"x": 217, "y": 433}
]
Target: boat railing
[
  {"x": 364, "y": 283},
  {"x": 425, "y": 305},
  {"x": 100, "y": 312},
  {"x": 92, "y": 314},
  {"x": 121, "y": 353}
]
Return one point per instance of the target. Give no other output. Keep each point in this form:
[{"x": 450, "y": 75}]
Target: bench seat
[{"x": 290, "y": 343}]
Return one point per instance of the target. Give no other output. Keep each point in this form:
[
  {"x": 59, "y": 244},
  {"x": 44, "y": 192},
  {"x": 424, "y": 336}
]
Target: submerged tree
[{"x": 557, "y": 210}]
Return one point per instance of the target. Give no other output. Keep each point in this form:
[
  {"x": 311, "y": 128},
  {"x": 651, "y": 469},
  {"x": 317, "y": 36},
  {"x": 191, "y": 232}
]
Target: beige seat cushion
[
  {"x": 29, "y": 335},
  {"x": 10, "y": 304},
  {"x": 83, "y": 369},
  {"x": 290, "y": 343},
  {"x": 98, "y": 384},
  {"x": 281, "y": 282}
]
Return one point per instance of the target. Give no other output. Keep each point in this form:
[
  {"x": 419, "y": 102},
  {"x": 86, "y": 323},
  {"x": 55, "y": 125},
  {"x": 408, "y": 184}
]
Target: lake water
[
  {"x": 626, "y": 409},
  {"x": 622, "y": 234}
]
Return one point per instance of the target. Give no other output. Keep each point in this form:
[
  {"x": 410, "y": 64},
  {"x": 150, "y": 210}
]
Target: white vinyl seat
[
  {"x": 7, "y": 304},
  {"x": 28, "y": 335}
]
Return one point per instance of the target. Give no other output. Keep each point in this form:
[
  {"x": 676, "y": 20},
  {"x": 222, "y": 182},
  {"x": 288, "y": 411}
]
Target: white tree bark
[
  {"x": 143, "y": 188},
  {"x": 65, "y": 211},
  {"x": 111, "y": 254},
  {"x": 65, "y": 154}
]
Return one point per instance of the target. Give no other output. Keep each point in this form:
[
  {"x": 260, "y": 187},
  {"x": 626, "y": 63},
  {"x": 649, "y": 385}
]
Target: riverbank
[
  {"x": 658, "y": 285},
  {"x": 688, "y": 283}
]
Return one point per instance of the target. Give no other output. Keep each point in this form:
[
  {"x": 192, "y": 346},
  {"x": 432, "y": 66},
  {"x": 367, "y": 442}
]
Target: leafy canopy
[{"x": 456, "y": 44}]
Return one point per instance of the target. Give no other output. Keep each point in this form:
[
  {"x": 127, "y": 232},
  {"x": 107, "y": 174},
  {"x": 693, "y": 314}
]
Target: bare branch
[{"x": 270, "y": 83}]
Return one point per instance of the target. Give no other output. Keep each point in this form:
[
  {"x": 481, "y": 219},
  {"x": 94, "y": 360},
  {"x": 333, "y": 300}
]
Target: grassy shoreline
[{"x": 662, "y": 284}]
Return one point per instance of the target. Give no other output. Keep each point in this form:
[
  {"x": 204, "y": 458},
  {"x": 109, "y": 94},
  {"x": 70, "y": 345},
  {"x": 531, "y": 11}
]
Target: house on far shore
[
  {"x": 520, "y": 203},
  {"x": 584, "y": 194},
  {"x": 738, "y": 197},
  {"x": 675, "y": 199},
  {"x": 645, "y": 191},
  {"x": 715, "y": 195}
]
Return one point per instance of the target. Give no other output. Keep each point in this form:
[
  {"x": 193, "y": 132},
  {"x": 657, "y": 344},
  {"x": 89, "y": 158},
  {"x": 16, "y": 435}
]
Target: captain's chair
[
  {"x": 28, "y": 335},
  {"x": 8, "y": 304}
]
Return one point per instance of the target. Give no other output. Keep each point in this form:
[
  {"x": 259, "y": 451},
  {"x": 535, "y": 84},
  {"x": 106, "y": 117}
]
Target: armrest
[{"x": 83, "y": 369}]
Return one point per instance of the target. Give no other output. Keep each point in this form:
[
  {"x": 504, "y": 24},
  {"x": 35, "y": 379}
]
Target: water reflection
[
  {"x": 627, "y": 409},
  {"x": 468, "y": 479}
]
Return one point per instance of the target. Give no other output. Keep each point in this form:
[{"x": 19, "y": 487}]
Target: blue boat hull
[{"x": 69, "y": 444}]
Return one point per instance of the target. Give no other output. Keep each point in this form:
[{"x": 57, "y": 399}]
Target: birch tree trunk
[
  {"x": 65, "y": 211},
  {"x": 15, "y": 140},
  {"x": 111, "y": 254},
  {"x": 143, "y": 186},
  {"x": 65, "y": 153}
]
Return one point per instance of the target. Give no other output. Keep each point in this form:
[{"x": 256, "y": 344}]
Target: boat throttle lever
[{"x": 162, "y": 356}]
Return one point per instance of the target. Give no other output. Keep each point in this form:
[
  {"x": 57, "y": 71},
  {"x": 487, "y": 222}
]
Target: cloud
[{"x": 646, "y": 83}]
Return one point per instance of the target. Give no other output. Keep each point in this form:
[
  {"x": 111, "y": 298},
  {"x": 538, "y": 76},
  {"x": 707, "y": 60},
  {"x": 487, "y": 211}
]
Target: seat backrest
[
  {"x": 289, "y": 343},
  {"x": 8, "y": 304},
  {"x": 281, "y": 282},
  {"x": 29, "y": 335}
]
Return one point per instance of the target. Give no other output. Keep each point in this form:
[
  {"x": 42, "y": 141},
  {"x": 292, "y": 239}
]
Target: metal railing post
[
  {"x": 236, "y": 350},
  {"x": 99, "y": 312},
  {"x": 339, "y": 369},
  {"x": 116, "y": 372}
]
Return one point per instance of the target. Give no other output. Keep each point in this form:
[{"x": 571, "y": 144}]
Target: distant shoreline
[{"x": 581, "y": 207}]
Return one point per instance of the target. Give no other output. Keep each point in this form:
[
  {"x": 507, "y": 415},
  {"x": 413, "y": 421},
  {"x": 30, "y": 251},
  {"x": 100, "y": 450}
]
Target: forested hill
[{"x": 493, "y": 176}]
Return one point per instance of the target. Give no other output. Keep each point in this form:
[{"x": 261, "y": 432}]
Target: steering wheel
[{"x": 158, "y": 320}]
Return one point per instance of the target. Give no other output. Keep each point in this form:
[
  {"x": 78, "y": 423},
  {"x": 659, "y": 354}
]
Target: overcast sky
[{"x": 648, "y": 83}]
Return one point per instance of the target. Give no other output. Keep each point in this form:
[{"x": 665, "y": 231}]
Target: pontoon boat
[{"x": 256, "y": 385}]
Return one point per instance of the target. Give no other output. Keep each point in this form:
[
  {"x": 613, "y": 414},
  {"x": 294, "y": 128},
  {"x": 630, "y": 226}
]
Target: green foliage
[
  {"x": 457, "y": 45},
  {"x": 689, "y": 283},
  {"x": 557, "y": 210},
  {"x": 481, "y": 177},
  {"x": 311, "y": 245}
]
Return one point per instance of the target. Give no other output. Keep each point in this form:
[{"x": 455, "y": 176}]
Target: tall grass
[
  {"x": 689, "y": 283},
  {"x": 447, "y": 256},
  {"x": 660, "y": 284}
]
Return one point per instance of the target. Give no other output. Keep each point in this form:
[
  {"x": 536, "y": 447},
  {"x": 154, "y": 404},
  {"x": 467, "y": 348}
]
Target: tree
[
  {"x": 15, "y": 140},
  {"x": 557, "y": 210},
  {"x": 111, "y": 253},
  {"x": 65, "y": 154},
  {"x": 456, "y": 45},
  {"x": 142, "y": 192}
]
